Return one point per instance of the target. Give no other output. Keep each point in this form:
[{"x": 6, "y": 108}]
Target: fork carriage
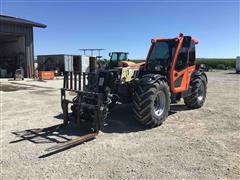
[{"x": 87, "y": 106}]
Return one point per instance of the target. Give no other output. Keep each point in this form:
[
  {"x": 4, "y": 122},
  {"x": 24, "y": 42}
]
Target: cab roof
[{"x": 195, "y": 40}]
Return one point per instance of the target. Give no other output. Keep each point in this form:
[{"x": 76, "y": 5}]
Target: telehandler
[{"x": 168, "y": 74}]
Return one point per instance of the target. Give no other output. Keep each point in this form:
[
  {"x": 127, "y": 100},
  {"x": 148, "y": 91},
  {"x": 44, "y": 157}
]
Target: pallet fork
[{"x": 77, "y": 83}]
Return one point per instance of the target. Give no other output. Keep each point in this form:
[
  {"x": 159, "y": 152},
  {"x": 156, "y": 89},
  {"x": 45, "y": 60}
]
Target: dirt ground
[{"x": 191, "y": 144}]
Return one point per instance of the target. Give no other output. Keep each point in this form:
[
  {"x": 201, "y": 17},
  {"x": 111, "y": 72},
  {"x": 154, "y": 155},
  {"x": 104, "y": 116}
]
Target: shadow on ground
[
  {"x": 15, "y": 86},
  {"x": 10, "y": 88},
  {"x": 120, "y": 121},
  {"x": 233, "y": 73},
  {"x": 58, "y": 134}
]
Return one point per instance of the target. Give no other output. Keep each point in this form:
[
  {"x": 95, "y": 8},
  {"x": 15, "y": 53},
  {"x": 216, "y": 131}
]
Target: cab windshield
[
  {"x": 162, "y": 53},
  {"x": 118, "y": 56}
]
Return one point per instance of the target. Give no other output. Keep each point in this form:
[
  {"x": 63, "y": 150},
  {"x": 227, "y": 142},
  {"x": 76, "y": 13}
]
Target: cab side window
[
  {"x": 192, "y": 55},
  {"x": 182, "y": 59}
]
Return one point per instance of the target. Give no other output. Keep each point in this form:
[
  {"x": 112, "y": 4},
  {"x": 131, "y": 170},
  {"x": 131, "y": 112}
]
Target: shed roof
[{"x": 15, "y": 20}]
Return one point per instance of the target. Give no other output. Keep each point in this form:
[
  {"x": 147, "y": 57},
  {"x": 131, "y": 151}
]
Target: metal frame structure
[{"x": 77, "y": 82}]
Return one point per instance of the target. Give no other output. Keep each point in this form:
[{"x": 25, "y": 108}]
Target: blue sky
[{"x": 129, "y": 25}]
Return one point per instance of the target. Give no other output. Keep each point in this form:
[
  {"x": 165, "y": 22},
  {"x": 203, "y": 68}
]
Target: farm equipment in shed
[
  {"x": 168, "y": 74},
  {"x": 19, "y": 74}
]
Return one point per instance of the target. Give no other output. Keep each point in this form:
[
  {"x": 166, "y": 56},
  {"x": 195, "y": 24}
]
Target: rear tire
[
  {"x": 198, "y": 95},
  {"x": 151, "y": 103}
]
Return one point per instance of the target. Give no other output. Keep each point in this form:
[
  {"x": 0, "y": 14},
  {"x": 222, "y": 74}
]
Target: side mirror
[
  {"x": 110, "y": 54},
  {"x": 187, "y": 41}
]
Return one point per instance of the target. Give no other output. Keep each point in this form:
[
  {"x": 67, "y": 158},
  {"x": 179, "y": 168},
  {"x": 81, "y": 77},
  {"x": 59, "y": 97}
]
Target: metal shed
[
  {"x": 64, "y": 62},
  {"x": 16, "y": 45}
]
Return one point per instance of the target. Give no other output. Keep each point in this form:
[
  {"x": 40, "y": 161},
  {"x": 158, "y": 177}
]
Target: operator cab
[
  {"x": 116, "y": 57},
  {"x": 160, "y": 56},
  {"x": 173, "y": 58},
  {"x": 163, "y": 51}
]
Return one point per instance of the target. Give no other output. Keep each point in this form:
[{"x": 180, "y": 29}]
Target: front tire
[
  {"x": 198, "y": 93},
  {"x": 151, "y": 103}
]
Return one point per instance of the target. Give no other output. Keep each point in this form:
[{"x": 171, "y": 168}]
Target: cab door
[
  {"x": 179, "y": 74},
  {"x": 184, "y": 64}
]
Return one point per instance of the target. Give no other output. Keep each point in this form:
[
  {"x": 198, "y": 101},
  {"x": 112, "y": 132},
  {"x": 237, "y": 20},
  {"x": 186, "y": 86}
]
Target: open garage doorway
[{"x": 12, "y": 54}]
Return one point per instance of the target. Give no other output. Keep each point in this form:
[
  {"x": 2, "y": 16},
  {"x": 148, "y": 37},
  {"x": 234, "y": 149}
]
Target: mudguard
[
  {"x": 149, "y": 79},
  {"x": 195, "y": 74},
  {"x": 200, "y": 74}
]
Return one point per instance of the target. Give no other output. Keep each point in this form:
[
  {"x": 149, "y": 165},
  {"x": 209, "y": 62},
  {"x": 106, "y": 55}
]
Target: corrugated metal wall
[{"x": 27, "y": 32}]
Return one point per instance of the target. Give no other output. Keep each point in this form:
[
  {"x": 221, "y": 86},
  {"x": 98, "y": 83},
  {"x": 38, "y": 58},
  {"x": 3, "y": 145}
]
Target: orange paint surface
[{"x": 46, "y": 75}]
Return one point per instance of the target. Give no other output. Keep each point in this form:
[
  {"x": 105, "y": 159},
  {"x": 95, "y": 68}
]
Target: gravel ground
[{"x": 191, "y": 144}]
